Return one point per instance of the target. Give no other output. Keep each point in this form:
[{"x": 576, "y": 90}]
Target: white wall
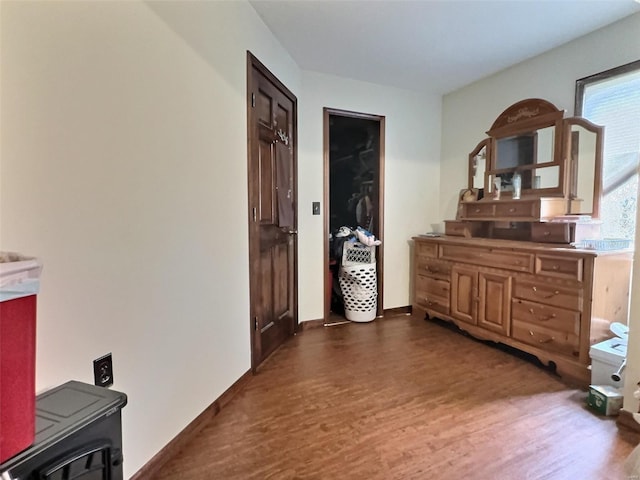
[
  {"x": 123, "y": 166},
  {"x": 469, "y": 112},
  {"x": 412, "y": 124}
]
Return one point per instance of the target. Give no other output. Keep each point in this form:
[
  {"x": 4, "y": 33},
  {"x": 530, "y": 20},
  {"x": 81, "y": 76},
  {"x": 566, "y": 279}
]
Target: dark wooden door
[{"x": 272, "y": 211}]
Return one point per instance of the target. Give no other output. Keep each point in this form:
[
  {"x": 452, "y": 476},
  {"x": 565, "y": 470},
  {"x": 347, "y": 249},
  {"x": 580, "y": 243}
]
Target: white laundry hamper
[{"x": 358, "y": 282}]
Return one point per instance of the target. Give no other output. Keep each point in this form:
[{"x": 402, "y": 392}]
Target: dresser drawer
[
  {"x": 519, "y": 261},
  {"x": 478, "y": 210},
  {"x": 462, "y": 229},
  {"x": 560, "y": 267},
  {"x": 424, "y": 249},
  {"x": 432, "y": 294},
  {"x": 433, "y": 268},
  {"x": 558, "y": 319},
  {"x": 550, "y": 328},
  {"x": 545, "y": 338},
  {"x": 519, "y": 209},
  {"x": 549, "y": 294},
  {"x": 433, "y": 304},
  {"x": 553, "y": 232},
  {"x": 432, "y": 288}
]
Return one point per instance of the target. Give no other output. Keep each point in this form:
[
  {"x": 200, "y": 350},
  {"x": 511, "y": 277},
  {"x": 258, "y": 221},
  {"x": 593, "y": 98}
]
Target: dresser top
[{"x": 518, "y": 245}]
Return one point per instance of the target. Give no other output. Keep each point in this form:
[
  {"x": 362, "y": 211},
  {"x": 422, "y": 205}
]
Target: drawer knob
[
  {"x": 477, "y": 210},
  {"x": 547, "y": 233},
  {"x": 544, "y": 340},
  {"x": 555, "y": 267},
  {"x": 541, "y": 319},
  {"x": 553, "y": 294},
  {"x": 512, "y": 209}
]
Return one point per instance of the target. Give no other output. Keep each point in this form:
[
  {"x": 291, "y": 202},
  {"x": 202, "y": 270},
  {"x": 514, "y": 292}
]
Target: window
[{"x": 612, "y": 99}]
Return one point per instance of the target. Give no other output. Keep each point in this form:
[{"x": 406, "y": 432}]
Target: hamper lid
[
  {"x": 611, "y": 351},
  {"x": 620, "y": 330},
  {"x": 19, "y": 276}
]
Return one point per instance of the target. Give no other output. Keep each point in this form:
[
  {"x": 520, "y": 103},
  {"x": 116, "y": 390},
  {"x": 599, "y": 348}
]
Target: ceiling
[{"x": 435, "y": 46}]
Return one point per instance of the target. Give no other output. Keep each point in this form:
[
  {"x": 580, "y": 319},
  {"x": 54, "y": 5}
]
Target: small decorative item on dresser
[
  {"x": 497, "y": 185},
  {"x": 466, "y": 195},
  {"x": 469, "y": 195},
  {"x": 516, "y": 181}
]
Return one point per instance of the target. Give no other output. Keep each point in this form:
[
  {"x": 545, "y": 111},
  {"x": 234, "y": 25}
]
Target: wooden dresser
[{"x": 551, "y": 301}]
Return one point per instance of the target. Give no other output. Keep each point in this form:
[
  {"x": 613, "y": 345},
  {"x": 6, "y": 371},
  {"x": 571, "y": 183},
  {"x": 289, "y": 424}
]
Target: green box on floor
[{"x": 605, "y": 399}]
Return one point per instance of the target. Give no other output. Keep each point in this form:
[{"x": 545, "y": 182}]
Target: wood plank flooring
[{"x": 403, "y": 398}]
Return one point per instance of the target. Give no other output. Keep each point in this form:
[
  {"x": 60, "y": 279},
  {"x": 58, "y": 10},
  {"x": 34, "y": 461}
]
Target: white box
[{"x": 606, "y": 359}]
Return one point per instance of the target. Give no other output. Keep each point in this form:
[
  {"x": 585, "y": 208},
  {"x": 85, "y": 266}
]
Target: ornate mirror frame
[
  {"x": 478, "y": 164},
  {"x": 525, "y": 119},
  {"x": 584, "y": 167}
]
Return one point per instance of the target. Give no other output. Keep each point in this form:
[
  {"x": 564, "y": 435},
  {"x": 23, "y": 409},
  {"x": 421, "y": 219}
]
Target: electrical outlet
[
  {"x": 103, "y": 371},
  {"x": 315, "y": 208}
]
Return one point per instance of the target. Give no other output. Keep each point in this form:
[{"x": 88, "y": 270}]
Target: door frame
[
  {"x": 254, "y": 246},
  {"x": 326, "y": 113}
]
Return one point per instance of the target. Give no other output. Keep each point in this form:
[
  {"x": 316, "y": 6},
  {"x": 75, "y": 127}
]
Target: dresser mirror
[
  {"x": 525, "y": 140},
  {"x": 583, "y": 150},
  {"x": 525, "y": 149},
  {"x": 551, "y": 155},
  {"x": 478, "y": 164}
]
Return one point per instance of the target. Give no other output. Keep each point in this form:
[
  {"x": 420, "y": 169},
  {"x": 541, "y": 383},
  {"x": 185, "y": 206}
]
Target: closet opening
[{"x": 353, "y": 198}]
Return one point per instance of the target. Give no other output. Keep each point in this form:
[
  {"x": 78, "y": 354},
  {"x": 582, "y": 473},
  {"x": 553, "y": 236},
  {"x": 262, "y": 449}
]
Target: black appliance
[{"x": 78, "y": 436}]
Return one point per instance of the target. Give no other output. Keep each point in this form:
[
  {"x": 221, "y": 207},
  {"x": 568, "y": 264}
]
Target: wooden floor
[{"x": 403, "y": 398}]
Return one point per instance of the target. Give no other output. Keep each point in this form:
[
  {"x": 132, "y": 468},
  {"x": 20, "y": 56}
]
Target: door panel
[
  {"x": 265, "y": 173},
  {"x": 280, "y": 277},
  {"x": 464, "y": 293},
  {"x": 495, "y": 307},
  {"x": 272, "y": 211},
  {"x": 266, "y": 290}
]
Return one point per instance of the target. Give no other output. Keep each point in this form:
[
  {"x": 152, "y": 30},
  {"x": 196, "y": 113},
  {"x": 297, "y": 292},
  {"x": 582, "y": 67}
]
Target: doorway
[
  {"x": 353, "y": 194},
  {"x": 272, "y": 212}
]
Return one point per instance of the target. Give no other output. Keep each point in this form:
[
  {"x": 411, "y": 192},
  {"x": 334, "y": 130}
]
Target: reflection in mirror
[
  {"x": 582, "y": 150},
  {"x": 535, "y": 179},
  {"x": 546, "y": 177},
  {"x": 514, "y": 151},
  {"x": 506, "y": 184},
  {"x": 545, "y": 145},
  {"x": 479, "y": 160},
  {"x": 525, "y": 149},
  {"x": 479, "y": 163}
]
